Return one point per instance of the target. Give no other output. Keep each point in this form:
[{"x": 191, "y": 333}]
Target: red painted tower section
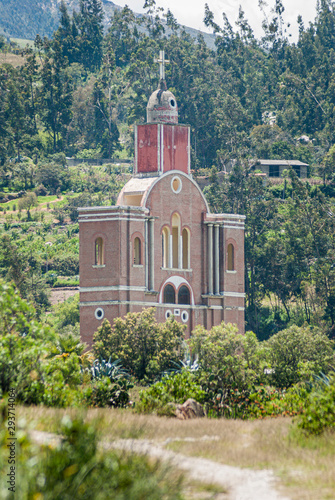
[{"x": 161, "y": 147}]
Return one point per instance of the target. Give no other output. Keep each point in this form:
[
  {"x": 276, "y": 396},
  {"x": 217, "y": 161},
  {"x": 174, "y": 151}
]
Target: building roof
[{"x": 292, "y": 163}]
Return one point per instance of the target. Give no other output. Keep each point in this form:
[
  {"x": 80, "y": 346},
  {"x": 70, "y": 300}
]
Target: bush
[
  {"x": 102, "y": 393},
  {"x": 230, "y": 366},
  {"x": 174, "y": 388},
  {"x": 319, "y": 413},
  {"x": 75, "y": 468},
  {"x": 296, "y": 353},
  {"x": 271, "y": 402},
  {"x": 67, "y": 312},
  {"x": 66, "y": 264},
  {"x": 145, "y": 347}
]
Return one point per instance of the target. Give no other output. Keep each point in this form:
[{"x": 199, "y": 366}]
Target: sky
[{"x": 191, "y": 12}]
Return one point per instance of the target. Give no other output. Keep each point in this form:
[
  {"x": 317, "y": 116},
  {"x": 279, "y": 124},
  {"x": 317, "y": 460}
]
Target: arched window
[
  {"x": 169, "y": 295},
  {"x": 165, "y": 247},
  {"x": 186, "y": 248},
  {"x": 137, "y": 251},
  {"x": 231, "y": 258},
  {"x": 184, "y": 295},
  {"x": 175, "y": 240},
  {"x": 99, "y": 252}
]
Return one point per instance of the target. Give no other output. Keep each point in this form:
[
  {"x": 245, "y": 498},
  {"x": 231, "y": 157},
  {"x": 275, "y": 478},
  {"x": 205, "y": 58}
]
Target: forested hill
[{"x": 28, "y": 18}]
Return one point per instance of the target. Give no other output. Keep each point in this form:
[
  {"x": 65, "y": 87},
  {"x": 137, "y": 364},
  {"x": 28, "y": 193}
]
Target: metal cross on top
[{"x": 162, "y": 61}]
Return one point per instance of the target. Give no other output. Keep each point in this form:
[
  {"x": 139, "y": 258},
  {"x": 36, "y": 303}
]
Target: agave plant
[
  {"x": 187, "y": 363},
  {"x": 113, "y": 370}
]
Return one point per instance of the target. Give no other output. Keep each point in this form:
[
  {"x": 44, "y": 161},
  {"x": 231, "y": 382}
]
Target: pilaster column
[
  {"x": 170, "y": 251},
  {"x": 146, "y": 249},
  {"x": 210, "y": 257},
  {"x": 152, "y": 253},
  {"x": 180, "y": 251},
  {"x": 217, "y": 259}
]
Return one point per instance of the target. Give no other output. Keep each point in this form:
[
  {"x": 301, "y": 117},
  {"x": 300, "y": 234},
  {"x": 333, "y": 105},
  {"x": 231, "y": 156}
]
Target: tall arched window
[
  {"x": 169, "y": 295},
  {"x": 186, "y": 248},
  {"x": 99, "y": 252},
  {"x": 231, "y": 257},
  {"x": 165, "y": 247},
  {"x": 175, "y": 240},
  {"x": 137, "y": 251},
  {"x": 184, "y": 295}
]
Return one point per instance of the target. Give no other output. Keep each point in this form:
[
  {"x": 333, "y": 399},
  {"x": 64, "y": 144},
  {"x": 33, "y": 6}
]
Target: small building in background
[
  {"x": 275, "y": 168},
  {"x": 160, "y": 246}
]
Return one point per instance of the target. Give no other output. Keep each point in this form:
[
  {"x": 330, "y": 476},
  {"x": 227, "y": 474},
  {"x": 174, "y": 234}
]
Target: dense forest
[{"x": 79, "y": 93}]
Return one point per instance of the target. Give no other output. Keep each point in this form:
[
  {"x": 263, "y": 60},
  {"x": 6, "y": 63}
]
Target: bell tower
[{"x": 162, "y": 144}]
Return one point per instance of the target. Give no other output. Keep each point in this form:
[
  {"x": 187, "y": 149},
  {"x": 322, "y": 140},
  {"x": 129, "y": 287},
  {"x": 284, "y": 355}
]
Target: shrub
[
  {"x": 271, "y": 402},
  {"x": 297, "y": 352},
  {"x": 230, "y": 366},
  {"x": 145, "y": 347},
  {"x": 75, "y": 468},
  {"x": 67, "y": 312},
  {"x": 65, "y": 264},
  {"x": 319, "y": 413},
  {"x": 173, "y": 388},
  {"x": 102, "y": 393}
]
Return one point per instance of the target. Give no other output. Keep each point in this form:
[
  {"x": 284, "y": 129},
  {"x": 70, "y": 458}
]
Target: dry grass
[
  {"x": 13, "y": 59},
  {"x": 306, "y": 466}
]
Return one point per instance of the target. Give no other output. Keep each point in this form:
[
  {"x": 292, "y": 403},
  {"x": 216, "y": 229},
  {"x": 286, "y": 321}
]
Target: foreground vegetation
[
  {"x": 304, "y": 465},
  {"x": 234, "y": 376},
  {"x": 257, "y": 385}
]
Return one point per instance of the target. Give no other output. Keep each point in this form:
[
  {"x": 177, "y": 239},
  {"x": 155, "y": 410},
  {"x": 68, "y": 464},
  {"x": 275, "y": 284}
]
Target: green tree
[
  {"x": 55, "y": 93},
  {"x": 89, "y": 23},
  {"x": 145, "y": 347},
  {"x": 297, "y": 352}
]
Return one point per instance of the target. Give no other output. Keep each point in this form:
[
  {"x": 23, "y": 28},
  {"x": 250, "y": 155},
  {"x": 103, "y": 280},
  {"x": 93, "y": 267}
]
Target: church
[{"x": 160, "y": 246}]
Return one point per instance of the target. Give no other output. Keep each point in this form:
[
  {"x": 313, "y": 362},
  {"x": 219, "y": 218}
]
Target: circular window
[
  {"x": 99, "y": 313},
  {"x": 172, "y": 103},
  {"x": 168, "y": 313},
  {"x": 184, "y": 316},
  {"x": 176, "y": 184}
]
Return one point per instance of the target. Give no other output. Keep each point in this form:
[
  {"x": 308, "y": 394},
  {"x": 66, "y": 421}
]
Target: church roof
[{"x": 138, "y": 185}]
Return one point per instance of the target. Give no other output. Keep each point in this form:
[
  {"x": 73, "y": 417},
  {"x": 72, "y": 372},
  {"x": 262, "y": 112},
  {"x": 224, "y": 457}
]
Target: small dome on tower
[{"x": 162, "y": 106}]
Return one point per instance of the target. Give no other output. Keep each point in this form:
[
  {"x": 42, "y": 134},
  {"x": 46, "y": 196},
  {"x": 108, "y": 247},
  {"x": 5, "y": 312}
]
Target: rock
[{"x": 190, "y": 409}]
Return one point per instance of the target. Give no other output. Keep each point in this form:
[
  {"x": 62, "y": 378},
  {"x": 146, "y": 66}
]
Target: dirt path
[{"x": 242, "y": 484}]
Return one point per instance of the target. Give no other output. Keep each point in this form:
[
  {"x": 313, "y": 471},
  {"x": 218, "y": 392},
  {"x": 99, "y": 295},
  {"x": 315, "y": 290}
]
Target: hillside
[{"x": 28, "y": 18}]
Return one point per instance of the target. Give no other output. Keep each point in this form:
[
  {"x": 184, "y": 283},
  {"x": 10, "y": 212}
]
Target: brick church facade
[{"x": 160, "y": 246}]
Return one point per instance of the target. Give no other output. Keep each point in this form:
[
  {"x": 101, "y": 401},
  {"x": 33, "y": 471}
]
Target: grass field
[
  {"x": 305, "y": 466},
  {"x": 12, "y": 59}
]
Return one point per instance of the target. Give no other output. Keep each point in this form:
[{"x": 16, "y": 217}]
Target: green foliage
[
  {"x": 173, "y": 388},
  {"x": 230, "y": 365},
  {"x": 53, "y": 176},
  {"x": 102, "y": 368},
  {"x": 75, "y": 468},
  {"x": 46, "y": 368},
  {"x": 103, "y": 393},
  {"x": 240, "y": 358},
  {"x": 145, "y": 347},
  {"x": 67, "y": 312},
  {"x": 266, "y": 401},
  {"x": 296, "y": 353},
  {"x": 319, "y": 412},
  {"x": 28, "y": 201}
]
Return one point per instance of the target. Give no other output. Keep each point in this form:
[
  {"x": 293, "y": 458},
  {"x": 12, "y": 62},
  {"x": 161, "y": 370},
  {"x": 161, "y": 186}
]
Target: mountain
[{"x": 27, "y": 18}]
